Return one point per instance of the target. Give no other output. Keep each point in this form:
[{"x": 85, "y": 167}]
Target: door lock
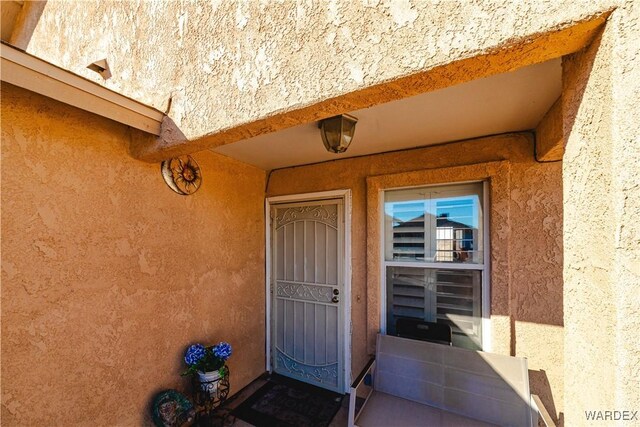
[{"x": 336, "y": 292}]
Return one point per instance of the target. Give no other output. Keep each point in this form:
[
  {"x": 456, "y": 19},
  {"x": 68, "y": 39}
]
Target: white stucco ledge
[
  {"x": 174, "y": 140},
  {"x": 229, "y": 70}
]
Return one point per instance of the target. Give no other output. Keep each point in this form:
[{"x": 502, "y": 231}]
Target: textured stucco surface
[
  {"x": 107, "y": 274},
  {"x": 228, "y": 63},
  {"x": 549, "y": 134},
  {"x": 601, "y": 176},
  {"x": 527, "y": 320},
  {"x": 225, "y": 64}
]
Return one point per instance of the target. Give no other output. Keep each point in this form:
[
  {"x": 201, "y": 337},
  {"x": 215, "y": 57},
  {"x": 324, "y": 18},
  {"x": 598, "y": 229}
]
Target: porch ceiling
[{"x": 508, "y": 102}]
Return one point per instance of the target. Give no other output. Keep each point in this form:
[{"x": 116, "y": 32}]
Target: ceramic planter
[{"x": 209, "y": 381}]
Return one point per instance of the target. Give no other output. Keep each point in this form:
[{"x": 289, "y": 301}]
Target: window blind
[{"x": 452, "y": 297}]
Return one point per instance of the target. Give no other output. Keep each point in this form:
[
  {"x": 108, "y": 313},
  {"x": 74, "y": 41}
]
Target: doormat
[{"x": 283, "y": 402}]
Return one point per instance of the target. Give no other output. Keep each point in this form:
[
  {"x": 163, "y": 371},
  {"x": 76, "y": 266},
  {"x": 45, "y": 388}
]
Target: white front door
[{"x": 307, "y": 292}]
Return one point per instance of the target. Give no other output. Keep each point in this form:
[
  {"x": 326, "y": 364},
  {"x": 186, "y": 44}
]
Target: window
[{"x": 434, "y": 259}]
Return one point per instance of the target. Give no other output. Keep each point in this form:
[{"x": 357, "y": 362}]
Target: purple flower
[
  {"x": 222, "y": 350},
  {"x": 194, "y": 353}
]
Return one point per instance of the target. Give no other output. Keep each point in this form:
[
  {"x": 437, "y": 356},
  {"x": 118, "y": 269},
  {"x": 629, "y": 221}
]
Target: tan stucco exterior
[
  {"x": 526, "y": 235},
  {"x": 74, "y": 284},
  {"x": 225, "y": 71},
  {"x": 550, "y": 135},
  {"x": 601, "y": 172},
  {"x": 107, "y": 274}
]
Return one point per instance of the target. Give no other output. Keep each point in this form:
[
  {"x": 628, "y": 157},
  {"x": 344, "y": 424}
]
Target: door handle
[{"x": 335, "y": 299}]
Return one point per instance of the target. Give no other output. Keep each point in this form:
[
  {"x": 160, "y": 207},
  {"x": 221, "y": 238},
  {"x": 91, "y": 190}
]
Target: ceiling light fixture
[{"x": 337, "y": 132}]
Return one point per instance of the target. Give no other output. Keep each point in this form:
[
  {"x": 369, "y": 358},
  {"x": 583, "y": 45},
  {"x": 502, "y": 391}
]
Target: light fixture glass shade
[{"x": 337, "y": 132}]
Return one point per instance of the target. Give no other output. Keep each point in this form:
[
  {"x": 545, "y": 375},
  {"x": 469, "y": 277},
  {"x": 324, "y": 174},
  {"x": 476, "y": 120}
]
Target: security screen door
[{"x": 306, "y": 292}]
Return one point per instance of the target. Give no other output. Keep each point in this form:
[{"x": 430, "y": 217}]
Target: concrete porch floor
[
  {"x": 385, "y": 410},
  {"x": 413, "y": 413}
]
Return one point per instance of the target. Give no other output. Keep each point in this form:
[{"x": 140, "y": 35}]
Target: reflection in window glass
[{"x": 436, "y": 225}]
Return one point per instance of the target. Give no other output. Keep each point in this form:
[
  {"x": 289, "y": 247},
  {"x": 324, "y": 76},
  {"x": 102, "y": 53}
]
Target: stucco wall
[
  {"x": 107, "y": 274},
  {"x": 227, "y": 63},
  {"x": 601, "y": 172},
  {"x": 530, "y": 309}
]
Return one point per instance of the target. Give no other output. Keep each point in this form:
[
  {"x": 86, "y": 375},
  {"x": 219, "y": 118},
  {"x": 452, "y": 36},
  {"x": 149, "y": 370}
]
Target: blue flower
[
  {"x": 195, "y": 352},
  {"x": 222, "y": 350}
]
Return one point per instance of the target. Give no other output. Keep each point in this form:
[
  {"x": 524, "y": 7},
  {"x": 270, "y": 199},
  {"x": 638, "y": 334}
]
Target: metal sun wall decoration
[{"x": 182, "y": 174}]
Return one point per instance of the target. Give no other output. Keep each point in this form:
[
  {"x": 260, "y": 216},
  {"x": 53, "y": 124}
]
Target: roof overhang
[
  {"x": 533, "y": 49},
  {"x": 34, "y": 74}
]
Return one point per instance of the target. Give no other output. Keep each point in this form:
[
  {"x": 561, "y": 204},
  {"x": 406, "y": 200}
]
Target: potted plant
[{"x": 208, "y": 363}]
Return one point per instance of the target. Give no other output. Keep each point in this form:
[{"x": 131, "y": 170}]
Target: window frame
[{"x": 484, "y": 268}]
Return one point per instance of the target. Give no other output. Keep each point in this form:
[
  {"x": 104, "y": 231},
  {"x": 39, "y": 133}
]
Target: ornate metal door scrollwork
[
  {"x": 316, "y": 212},
  {"x": 327, "y": 374},
  {"x": 307, "y": 316},
  {"x": 304, "y": 292}
]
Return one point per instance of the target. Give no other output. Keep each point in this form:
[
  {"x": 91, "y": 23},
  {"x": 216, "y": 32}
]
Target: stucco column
[{"x": 601, "y": 174}]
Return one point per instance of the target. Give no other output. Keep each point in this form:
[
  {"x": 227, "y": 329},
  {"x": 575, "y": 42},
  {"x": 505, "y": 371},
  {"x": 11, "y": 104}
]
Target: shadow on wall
[
  {"x": 25, "y": 23},
  {"x": 574, "y": 83},
  {"x": 540, "y": 383},
  {"x": 165, "y": 146}
]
